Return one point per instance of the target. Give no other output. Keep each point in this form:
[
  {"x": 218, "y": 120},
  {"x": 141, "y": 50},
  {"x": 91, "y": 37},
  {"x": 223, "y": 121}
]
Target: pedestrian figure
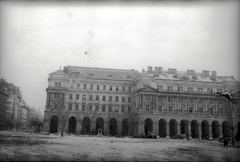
[{"x": 225, "y": 143}]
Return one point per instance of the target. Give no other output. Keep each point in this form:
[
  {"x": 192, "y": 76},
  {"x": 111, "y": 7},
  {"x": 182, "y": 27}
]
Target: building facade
[
  {"x": 3, "y": 103},
  {"x": 166, "y": 102}
]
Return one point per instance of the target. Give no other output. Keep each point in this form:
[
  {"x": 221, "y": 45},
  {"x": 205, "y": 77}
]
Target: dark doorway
[
  {"x": 125, "y": 127},
  {"x": 54, "y": 124},
  {"x": 183, "y": 127},
  {"x": 113, "y": 127},
  {"x": 86, "y": 125},
  {"x": 215, "y": 129},
  {"x": 148, "y": 126},
  {"x": 162, "y": 128},
  {"x": 173, "y": 127},
  {"x": 72, "y": 122},
  {"x": 99, "y": 125},
  {"x": 205, "y": 129},
  {"x": 226, "y": 129},
  {"x": 194, "y": 129}
]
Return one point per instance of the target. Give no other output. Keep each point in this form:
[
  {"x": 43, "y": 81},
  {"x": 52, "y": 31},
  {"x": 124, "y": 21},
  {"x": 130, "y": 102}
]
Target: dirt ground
[{"x": 20, "y": 146}]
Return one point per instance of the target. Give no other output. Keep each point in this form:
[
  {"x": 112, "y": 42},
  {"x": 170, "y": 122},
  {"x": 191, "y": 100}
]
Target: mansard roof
[{"x": 58, "y": 72}]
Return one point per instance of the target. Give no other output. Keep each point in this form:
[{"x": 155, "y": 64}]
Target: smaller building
[{"x": 3, "y": 103}]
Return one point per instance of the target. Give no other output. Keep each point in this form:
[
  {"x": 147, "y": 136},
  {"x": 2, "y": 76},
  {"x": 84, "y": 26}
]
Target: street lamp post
[{"x": 233, "y": 140}]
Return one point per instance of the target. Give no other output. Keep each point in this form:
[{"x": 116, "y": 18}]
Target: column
[
  {"x": 220, "y": 131},
  {"x": 177, "y": 105},
  {"x": 119, "y": 127},
  {"x": 166, "y": 104},
  {"x": 189, "y": 129},
  {"x": 199, "y": 131},
  {"x": 178, "y": 128},
  {"x": 167, "y": 130},
  {"x": 47, "y": 101},
  {"x": 210, "y": 132}
]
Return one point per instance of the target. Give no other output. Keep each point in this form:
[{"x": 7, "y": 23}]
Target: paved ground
[{"x": 20, "y": 146}]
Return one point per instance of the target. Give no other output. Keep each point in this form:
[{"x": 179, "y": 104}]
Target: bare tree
[
  {"x": 109, "y": 115},
  {"x": 137, "y": 117},
  {"x": 63, "y": 114},
  {"x": 88, "y": 114}
]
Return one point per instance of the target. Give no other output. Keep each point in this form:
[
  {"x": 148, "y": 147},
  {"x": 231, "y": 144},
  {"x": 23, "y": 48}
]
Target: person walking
[{"x": 225, "y": 143}]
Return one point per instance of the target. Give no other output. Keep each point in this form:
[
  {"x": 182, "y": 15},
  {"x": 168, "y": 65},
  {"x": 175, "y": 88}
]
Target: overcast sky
[{"x": 39, "y": 37}]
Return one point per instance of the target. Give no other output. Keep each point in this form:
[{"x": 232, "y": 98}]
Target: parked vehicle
[
  {"x": 151, "y": 135},
  {"x": 179, "y": 136},
  {"x": 139, "y": 135}
]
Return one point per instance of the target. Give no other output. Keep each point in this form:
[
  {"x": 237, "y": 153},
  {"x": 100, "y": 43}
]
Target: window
[
  {"x": 116, "y": 109},
  {"x": 220, "y": 111},
  {"x": 209, "y": 90},
  {"x": 123, "y": 88},
  {"x": 110, "y": 98},
  {"x": 190, "y": 109},
  {"x": 211, "y": 110},
  {"x": 190, "y": 100},
  {"x": 104, "y": 98},
  {"x": 129, "y": 89},
  {"x": 83, "y": 107},
  {"x": 129, "y": 99},
  {"x": 219, "y": 90},
  {"x": 97, "y": 87},
  {"x": 110, "y": 88},
  {"x": 84, "y": 98},
  {"x": 116, "y": 88},
  {"x": 147, "y": 97},
  {"x": 85, "y": 86},
  {"x": 210, "y": 101},
  {"x": 147, "y": 107},
  {"x": 90, "y": 107},
  {"x": 161, "y": 88},
  {"x": 91, "y": 87},
  {"x": 78, "y": 85},
  {"x": 104, "y": 87},
  {"x": 190, "y": 89},
  {"x": 180, "y": 88},
  {"x": 170, "y": 109},
  {"x": 110, "y": 108},
  {"x": 123, "y": 99},
  {"x": 70, "y": 96},
  {"x": 76, "y": 107},
  {"x": 180, "y": 109},
  {"x": 90, "y": 97},
  {"x": 56, "y": 95},
  {"x": 70, "y": 107},
  {"x": 129, "y": 108},
  {"x": 200, "y": 90},
  {"x": 159, "y": 108},
  {"x": 55, "y": 105},
  {"x": 77, "y": 96},
  {"x": 158, "y": 87},
  {"x": 170, "y": 99},
  {"x": 159, "y": 98},
  {"x": 169, "y": 88},
  {"x": 116, "y": 98},
  {"x": 57, "y": 84},
  {"x": 200, "y": 110},
  {"x": 103, "y": 108},
  {"x": 200, "y": 100},
  {"x": 123, "y": 108},
  {"x": 180, "y": 100},
  {"x": 96, "y": 108},
  {"x": 97, "y": 97}
]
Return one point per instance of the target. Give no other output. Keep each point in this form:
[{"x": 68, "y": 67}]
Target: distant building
[
  {"x": 166, "y": 102},
  {"x": 3, "y": 103}
]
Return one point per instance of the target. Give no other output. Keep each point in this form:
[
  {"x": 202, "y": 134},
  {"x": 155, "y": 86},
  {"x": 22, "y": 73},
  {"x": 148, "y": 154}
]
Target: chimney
[
  {"x": 191, "y": 72},
  {"x": 214, "y": 74},
  {"x": 157, "y": 70},
  {"x": 172, "y": 71},
  {"x": 205, "y": 73},
  {"x": 149, "y": 69}
]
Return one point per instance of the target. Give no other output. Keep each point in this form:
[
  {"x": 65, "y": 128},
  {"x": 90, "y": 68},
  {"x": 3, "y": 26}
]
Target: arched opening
[
  {"x": 72, "y": 122},
  {"x": 205, "y": 129},
  {"x": 162, "y": 128},
  {"x": 54, "y": 124},
  {"x": 113, "y": 127},
  {"x": 173, "y": 127},
  {"x": 183, "y": 127},
  {"x": 86, "y": 125},
  {"x": 215, "y": 129},
  {"x": 194, "y": 129},
  {"x": 125, "y": 127},
  {"x": 237, "y": 137},
  {"x": 226, "y": 129},
  {"x": 99, "y": 125},
  {"x": 148, "y": 126}
]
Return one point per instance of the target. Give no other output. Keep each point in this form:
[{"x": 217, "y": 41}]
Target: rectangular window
[
  {"x": 104, "y": 98},
  {"x": 110, "y": 108},
  {"x": 83, "y": 107},
  {"x": 90, "y": 97},
  {"x": 103, "y": 108},
  {"x": 221, "y": 111},
  {"x": 91, "y": 87},
  {"x": 180, "y": 100},
  {"x": 90, "y": 107},
  {"x": 159, "y": 108},
  {"x": 70, "y": 96},
  {"x": 77, "y": 96},
  {"x": 104, "y": 87},
  {"x": 129, "y": 108},
  {"x": 123, "y": 89},
  {"x": 57, "y": 84},
  {"x": 170, "y": 109},
  {"x": 200, "y": 90},
  {"x": 97, "y": 87},
  {"x": 78, "y": 85},
  {"x": 161, "y": 88},
  {"x": 129, "y": 99},
  {"x": 158, "y": 87},
  {"x": 190, "y": 109},
  {"x": 84, "y": 98},
  {"x": 70, "y": 107},
  {"x": 200, "y": 110},
  {"x": 116, "y": 88},
  {"x": 123, "y": 109},
  {"x": 170, "y": 99},
  {"x": 116, "y": 98},
  {"x": 219, "y": 90},
  {"x": 129, "y": 89},
  {"x": 85, "y": 86},
  {"x": 56, "y": 105},
  {"x": 147, "y": 107},
  {"x": 211, "y": 110},
  {"x": 110, "y": 88},
  {"x": 110, "y": 98},
  {"x": 209, "y": 90},
  {"x": 76, "y": 107},
  {"x": 123, "y": 99},
  {"x": 201, "y": 100},
  {"x": 116, "y": 109},
  {"x": 159, "y": 98},
  {"x": 56, "y": 95},
  {"x": 97, "y": 97},
  {"x": 190, "y": 89},
  {"x": 190, "y": 100},
  {"x": 169, "y": 88},
  {"x": 96, "y": 108},
  {"x": 180, "y": 89}
]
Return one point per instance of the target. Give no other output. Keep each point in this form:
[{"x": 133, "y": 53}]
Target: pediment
[{"x": 148, "y": 89}]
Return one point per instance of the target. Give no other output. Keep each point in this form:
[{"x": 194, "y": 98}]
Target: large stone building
[
  {"x": 3, "y": 102},
  {"x": 165, "y": 102}
]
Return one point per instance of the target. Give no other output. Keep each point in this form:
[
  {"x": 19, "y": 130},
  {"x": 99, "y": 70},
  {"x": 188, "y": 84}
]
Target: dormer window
[
  {"x": 91, "y": 74},
  {"x": 109, "y": 75}
]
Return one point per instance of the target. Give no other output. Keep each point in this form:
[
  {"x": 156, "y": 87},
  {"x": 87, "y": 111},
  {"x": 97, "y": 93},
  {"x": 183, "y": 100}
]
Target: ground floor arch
[
  {"x": 162, "y": 128},
  {"x": 172, "y": 127},
  {"x": 215, "y": 129},
  {"x": 113, "y": 127},
  {"x": 183, "y": 127},
  {"x": 148, "y": 126},
  {"x": 226, "y": 129},
  {"x": 54, "y": 124},
  {"x": 72, "y": 123},
  {"x": 86, "y": 125},
  {"x": 99, "y": 125},
  {"x": 194, "y": 129},
  {"x": 205, "y": 129},
  {"x": 125, "y": 127}
]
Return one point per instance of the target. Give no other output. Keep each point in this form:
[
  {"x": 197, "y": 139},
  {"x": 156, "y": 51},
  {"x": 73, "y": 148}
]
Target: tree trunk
[{"x": 62, "y": 133}]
